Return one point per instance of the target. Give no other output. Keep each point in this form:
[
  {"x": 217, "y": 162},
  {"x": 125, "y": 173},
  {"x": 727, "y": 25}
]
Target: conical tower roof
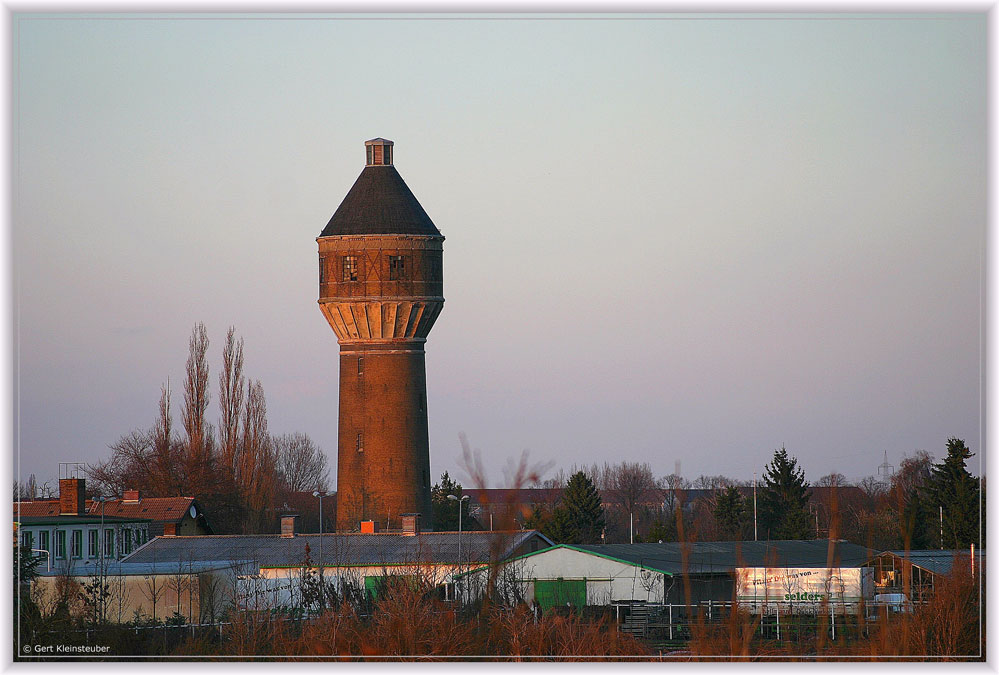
[{"x": 380, "y": 202}]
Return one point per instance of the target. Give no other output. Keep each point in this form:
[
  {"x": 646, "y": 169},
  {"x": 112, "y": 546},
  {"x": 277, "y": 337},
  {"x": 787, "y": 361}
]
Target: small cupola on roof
[
  {"x": 380, "y": 202},
  {"x": 379, "y": 151}
]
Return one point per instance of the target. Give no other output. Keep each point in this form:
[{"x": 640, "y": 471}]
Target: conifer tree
[
  {"x": 956, "y": 490},
  {"x": 784, "y": 500},
  {"x": 730, "y": 513},
  {"x": 446, "y": 510},
  {"x": 579, "y": 518}
]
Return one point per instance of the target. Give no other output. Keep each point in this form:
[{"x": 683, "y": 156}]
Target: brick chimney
[
  {"x": 132, "y": 497},
  {"x": 410, "y": 523},
  {"x": 369, "y": 527},
  {"x": 288, "y": 526},
  {"x": 169, "y": 529},
  {"x": 72, "y": 496}
]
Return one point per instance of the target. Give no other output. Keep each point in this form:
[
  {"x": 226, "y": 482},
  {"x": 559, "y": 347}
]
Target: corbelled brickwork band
[{"x": 381, "y": 290}]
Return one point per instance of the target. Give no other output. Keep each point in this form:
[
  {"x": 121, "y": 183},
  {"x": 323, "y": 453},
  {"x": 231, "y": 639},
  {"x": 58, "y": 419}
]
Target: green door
[{"x": 559, "y": 592}]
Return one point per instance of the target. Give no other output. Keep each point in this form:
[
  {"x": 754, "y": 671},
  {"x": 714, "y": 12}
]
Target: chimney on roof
[
  {"x": 72, "y": 496},
  {"x": 132, "y": 497},
  {"x": 288, "y": 526},
  {"x": 169, "y": 529},
  {"x": 410, "y": 523},
  {"x": 369, "y": 527},
  {"x": 379, "y": 152}
]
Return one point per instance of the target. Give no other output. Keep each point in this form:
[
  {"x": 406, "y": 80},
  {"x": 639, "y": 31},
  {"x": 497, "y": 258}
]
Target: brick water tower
[{"x": 381, "y": 289}]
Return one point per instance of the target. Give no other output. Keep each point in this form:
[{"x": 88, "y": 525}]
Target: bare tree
[
  {"x": 258, "y": 468},
  {"x": 832, "y": 480},
  {"x": 153, "y": 588},
  {"x": 166, "y": 450},
  {"x": 231, "y": 383},
  {"x": 196, "y": 396},
  {"x": 301, "y": 464}
]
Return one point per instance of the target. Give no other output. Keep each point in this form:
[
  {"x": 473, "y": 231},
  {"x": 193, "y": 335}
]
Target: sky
[{"x": 669, "y": 238}]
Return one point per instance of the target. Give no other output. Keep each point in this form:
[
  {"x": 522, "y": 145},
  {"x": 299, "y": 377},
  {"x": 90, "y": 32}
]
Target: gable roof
[
  {"x": 338, "y": 550},
  {"x": 719, "y": 557},
  {"x": 937, "y": 561},
  {"x": 380, "y": 202}
]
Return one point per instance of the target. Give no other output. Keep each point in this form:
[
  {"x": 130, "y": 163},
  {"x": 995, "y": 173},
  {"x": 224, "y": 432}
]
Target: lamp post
[
  {"x": 322, "y": 590},
  {"x": 455, "y": 499},
  {"x": 100, "y": 544}
]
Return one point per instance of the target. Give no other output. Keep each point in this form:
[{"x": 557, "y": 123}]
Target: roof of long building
[
  {"x": 338, "y": 550},
  {"x": 722, "y": 556},
  {"x": 380, "y": 202},
  {"x": 938, "y": 561}
]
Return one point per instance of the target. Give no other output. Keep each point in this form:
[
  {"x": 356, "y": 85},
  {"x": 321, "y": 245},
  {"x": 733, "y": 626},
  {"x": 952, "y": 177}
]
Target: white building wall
[{"x": 607, "y": 580}]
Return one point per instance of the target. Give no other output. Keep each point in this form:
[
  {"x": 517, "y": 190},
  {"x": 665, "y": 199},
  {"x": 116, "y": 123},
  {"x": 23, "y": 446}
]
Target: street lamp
[
  {"x": 455, "y": 499},
  {"x": 322, "y": 590},
  {"x": 101, "y": 543}
]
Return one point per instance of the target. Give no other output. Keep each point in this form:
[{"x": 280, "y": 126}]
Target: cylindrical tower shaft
[{"x": 380, "y": 289}]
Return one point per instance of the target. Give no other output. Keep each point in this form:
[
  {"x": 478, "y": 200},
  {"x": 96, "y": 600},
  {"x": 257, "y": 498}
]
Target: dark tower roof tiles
[{"x": 380, "y": 202}]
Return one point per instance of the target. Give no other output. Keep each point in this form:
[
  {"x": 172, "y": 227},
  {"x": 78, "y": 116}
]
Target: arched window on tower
[{"x": 360, "y": 441}]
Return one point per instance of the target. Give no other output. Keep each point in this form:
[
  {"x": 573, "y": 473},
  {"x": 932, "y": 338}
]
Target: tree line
[
  {"x": 240, "y": 472},
  {"x": 921, "y": 506}
]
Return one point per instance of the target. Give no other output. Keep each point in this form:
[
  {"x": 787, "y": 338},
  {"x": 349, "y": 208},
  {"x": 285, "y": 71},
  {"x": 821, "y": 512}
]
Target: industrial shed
[
  {"x": 914, "y": 573},
  {"x": 670, "y": 573},
  {"x": 275, "y": 563}
]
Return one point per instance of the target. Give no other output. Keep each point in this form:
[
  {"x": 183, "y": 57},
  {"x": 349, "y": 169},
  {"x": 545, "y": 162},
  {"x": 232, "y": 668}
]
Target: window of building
[
  {"x": 350, "y": 268},
  {"x": 322, "y": 270},
  {"x": 43, "y": 541},
  {"x": 127, "y": 541},
  {"x": 76, "y": 543},
  {"x": 109, "y": 542},
  {"x": 360, "y": 366},
  {"x": 60, "y": 542},
  {"x": 397, "y": 267},
  {"x": 92, "y": 544},
  {"x": 360, "y": 441},
  {"x": 371, "y": 154},
  {"x": 27, "y": 540}
]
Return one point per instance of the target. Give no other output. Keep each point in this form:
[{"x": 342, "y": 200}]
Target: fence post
[
  {"x": 671, "y": 621},
  {"x": 778, "y": 620},
  {"x": 832, "y": 620}
]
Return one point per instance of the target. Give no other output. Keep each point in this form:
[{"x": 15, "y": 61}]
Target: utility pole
[
  {"x": 755, "y": 536},
  {"x": 941, "y": 527}
]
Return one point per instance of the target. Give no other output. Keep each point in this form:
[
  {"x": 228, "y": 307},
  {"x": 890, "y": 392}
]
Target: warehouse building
[{"x": 692, "y": 574}]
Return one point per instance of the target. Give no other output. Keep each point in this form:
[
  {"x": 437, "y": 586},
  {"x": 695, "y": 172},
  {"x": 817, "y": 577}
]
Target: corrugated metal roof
[
  {"x": 934, "y": 560},
  {"x": 721, "y": 556},
  {"x": 272, "y": 550},
  {"x": 90, "y": 568},
  {"x": 380, "y": 202}
]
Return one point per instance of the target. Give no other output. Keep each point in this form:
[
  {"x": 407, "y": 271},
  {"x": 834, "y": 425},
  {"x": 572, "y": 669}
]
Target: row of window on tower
[{"x": 350, "y": 268}]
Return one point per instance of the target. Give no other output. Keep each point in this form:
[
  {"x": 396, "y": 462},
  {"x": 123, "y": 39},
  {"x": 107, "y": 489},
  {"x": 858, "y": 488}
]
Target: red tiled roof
[
  {"x": 37, "y": 508},
  {"x": 513, "y": 495},
  {"x": 157, "y": 509}
]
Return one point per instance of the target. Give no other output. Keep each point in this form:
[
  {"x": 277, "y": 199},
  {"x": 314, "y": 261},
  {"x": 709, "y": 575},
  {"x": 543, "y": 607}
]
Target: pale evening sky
[{"x": 687, "y": 237}]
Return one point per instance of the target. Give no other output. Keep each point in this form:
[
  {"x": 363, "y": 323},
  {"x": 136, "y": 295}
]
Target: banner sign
[{"x": 801, "y": 589}]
